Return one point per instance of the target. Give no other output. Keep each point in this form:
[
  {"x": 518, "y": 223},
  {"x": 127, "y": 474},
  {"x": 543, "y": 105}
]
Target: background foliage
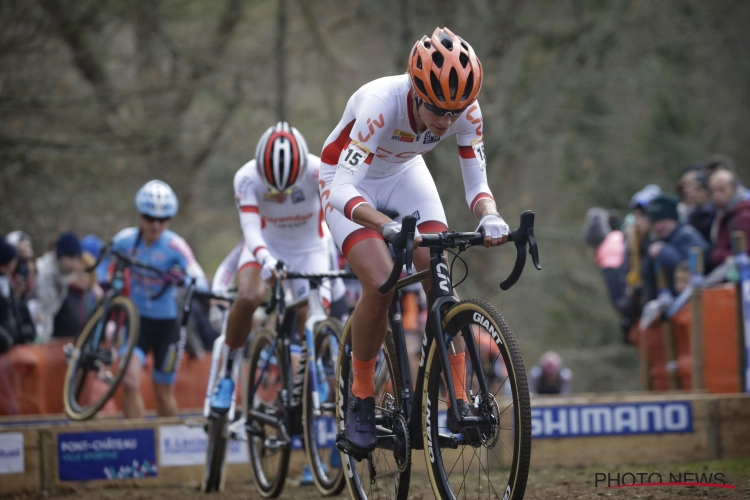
[{"x": 585, "y": 101}]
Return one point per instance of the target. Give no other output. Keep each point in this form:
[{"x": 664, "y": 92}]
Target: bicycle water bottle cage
[{"x": 520, "y": 237}]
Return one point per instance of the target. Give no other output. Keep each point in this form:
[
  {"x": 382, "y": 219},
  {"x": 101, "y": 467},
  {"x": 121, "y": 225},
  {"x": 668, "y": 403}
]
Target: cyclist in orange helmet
[{"x": 371, "y": 163}]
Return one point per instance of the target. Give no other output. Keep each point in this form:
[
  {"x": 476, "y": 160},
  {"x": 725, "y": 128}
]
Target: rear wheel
[
  {"x": 99, "y": 358},
  {"x": 268, "y": 445},
  {"x": 320, "y": 427},
  {"x": 216, "y": 453},
  {"x": 491, "y": 459},
  {"x": 394, "y": 472}
]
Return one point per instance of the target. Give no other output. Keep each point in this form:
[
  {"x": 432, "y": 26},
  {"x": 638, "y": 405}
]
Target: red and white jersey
[
  {"x": 292, "y": 226},
  {"x": 377, "y": 138}
]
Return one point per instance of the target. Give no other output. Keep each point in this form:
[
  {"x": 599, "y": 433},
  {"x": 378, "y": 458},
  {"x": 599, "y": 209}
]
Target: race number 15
[
  {"x": 478, "y": 146},
  {"x": 354, "y": 156}
]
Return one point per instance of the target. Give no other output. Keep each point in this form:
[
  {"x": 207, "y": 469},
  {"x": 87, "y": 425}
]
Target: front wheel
[
  {"x": 491, "y": 459},
  {"x": 269, "y": 445},
  {"x": 99, "y": 358},
  {"x": 216, "y": 453},
  {"x": 320, "y": 423}
]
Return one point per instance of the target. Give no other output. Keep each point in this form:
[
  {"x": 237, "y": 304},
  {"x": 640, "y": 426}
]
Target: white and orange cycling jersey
[
  {"x": 289, "y": 227},
  {"x": 374, "y": 156}
]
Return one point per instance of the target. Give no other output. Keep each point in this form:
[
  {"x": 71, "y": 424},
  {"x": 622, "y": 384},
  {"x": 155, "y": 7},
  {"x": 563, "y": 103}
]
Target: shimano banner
[{"x": 611, "y": 419}]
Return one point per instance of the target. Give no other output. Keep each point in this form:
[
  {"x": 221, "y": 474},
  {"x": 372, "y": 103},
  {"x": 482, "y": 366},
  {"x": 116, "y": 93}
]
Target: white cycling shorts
[
  {"x": 310, "y": 262},
  {"x": 409, "y": 191}
]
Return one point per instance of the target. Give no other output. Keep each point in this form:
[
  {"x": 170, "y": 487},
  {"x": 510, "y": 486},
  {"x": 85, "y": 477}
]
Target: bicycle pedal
[{"x": 344, "y": 447}]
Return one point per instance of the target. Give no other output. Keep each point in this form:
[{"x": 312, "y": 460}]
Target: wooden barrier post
[
  {"x": 742, "y": 262},
  {"x": 668, "y": 337},
  {"x": 696, "y": 311}
]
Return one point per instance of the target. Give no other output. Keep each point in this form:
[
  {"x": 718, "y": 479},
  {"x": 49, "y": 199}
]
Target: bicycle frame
[{"x": 441, "y": 296}]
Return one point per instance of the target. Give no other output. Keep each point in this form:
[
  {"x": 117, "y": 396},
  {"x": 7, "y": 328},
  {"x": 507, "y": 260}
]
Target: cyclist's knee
[{"x": 250, "y": 298}]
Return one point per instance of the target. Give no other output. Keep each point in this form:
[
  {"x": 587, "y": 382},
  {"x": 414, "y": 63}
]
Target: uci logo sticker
[
  {"x": 479, "y": 318},
  {"x": 354, "y": 156}
]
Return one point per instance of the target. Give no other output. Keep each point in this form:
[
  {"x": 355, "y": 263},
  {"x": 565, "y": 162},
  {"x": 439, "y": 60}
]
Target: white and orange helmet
[
  {"x": 444, "y": 71},
  {"x": 281, "y": 158}
]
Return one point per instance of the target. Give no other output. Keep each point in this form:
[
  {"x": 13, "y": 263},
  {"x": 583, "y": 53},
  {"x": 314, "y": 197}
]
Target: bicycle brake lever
[
  {"x": 533, "y": 250},
  {"x": 409, "y": 252}
]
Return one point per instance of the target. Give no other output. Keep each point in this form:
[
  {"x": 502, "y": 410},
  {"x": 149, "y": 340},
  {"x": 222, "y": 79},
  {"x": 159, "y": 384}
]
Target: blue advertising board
[
  {"x": 611, "y": 419},
  {"x": 82, "y": 456}
]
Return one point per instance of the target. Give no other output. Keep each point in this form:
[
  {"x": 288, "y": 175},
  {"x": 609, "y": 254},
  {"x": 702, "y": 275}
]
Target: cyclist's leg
[
  {"x": 167, "y": 354},
  {"x": 370, "y": 259},
  {"x": 250, "y": 292},
  {"x": 132, "y": 402}
]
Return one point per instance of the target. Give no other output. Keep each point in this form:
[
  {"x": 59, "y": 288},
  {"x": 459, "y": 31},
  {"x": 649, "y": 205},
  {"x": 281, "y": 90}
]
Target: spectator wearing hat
[
  {"x": 13, "y": 329},
  {"x": 733, "y": 214},
  {"x": 673, "y": 241},
  {"x": 56, "y": 269}
]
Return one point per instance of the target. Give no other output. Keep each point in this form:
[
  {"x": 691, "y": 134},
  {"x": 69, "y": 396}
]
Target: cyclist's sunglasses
[
  {"x": 443, "y": 112},
  {"x": 151, "y": 220}
]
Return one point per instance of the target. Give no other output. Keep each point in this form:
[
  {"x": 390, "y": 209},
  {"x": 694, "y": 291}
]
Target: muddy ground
[{"x": 544, "y": 483}]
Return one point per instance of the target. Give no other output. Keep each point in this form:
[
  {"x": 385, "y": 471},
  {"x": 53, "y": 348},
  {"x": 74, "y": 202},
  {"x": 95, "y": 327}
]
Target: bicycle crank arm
[{"x": 263, "y": 418}]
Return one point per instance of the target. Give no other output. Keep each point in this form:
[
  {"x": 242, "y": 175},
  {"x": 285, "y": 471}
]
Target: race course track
[{"x": 544, "y": 483}]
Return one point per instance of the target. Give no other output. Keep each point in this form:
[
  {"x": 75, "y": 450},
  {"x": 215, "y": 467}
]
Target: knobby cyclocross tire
[
  {"x": 501, "y": 467},
  {"x": 328, "y": 474},
  {"x": 76, "y": 375},
  {"x": 270, "y": 388},
  {"x": 387, "y": 379},
  {"x": 216, "y": 453}
]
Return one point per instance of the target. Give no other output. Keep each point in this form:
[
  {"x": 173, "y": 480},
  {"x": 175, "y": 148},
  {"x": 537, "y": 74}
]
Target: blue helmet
[{"x": 156, "y": 199}]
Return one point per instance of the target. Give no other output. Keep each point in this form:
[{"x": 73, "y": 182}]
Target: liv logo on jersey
[{"x": 429, "y": 138}]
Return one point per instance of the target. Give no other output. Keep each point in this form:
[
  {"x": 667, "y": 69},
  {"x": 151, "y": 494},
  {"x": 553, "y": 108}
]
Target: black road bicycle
[
  {"x": 489, "y": 456},
  {"x": 280, "y": 405},
  {"x": 98, "y": 359}
]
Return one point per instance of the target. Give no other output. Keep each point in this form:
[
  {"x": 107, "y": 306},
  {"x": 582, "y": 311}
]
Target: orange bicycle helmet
[{"x": 444, "y": 70}]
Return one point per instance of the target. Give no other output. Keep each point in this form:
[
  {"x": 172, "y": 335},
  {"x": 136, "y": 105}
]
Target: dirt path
[{"x": 544, "y": 484}]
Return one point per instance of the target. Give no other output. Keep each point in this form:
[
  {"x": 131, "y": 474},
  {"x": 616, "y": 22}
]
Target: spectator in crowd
[
  {"x": 13, "y": 328},
  {"x": 83, "y": 294},
  {"x": 696, "y": 198},
  {"x": 92, "y": 245},
  {"x": 57, "y": 269},
  {"x": 733, "y": 214},
  {"x": 720, "y": 162},
  {"x": 549, "y": 376},
  {"x": 25, "y": 250},
  {"x": 609, "y": 254},
  {"x": 673, "y": 241}
]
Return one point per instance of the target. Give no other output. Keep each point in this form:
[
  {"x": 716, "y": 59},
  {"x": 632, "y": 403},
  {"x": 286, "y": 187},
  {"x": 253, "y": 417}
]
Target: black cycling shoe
[
  {"x": 360, "y": 425},
  {"x": 464, "y": 409}
]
